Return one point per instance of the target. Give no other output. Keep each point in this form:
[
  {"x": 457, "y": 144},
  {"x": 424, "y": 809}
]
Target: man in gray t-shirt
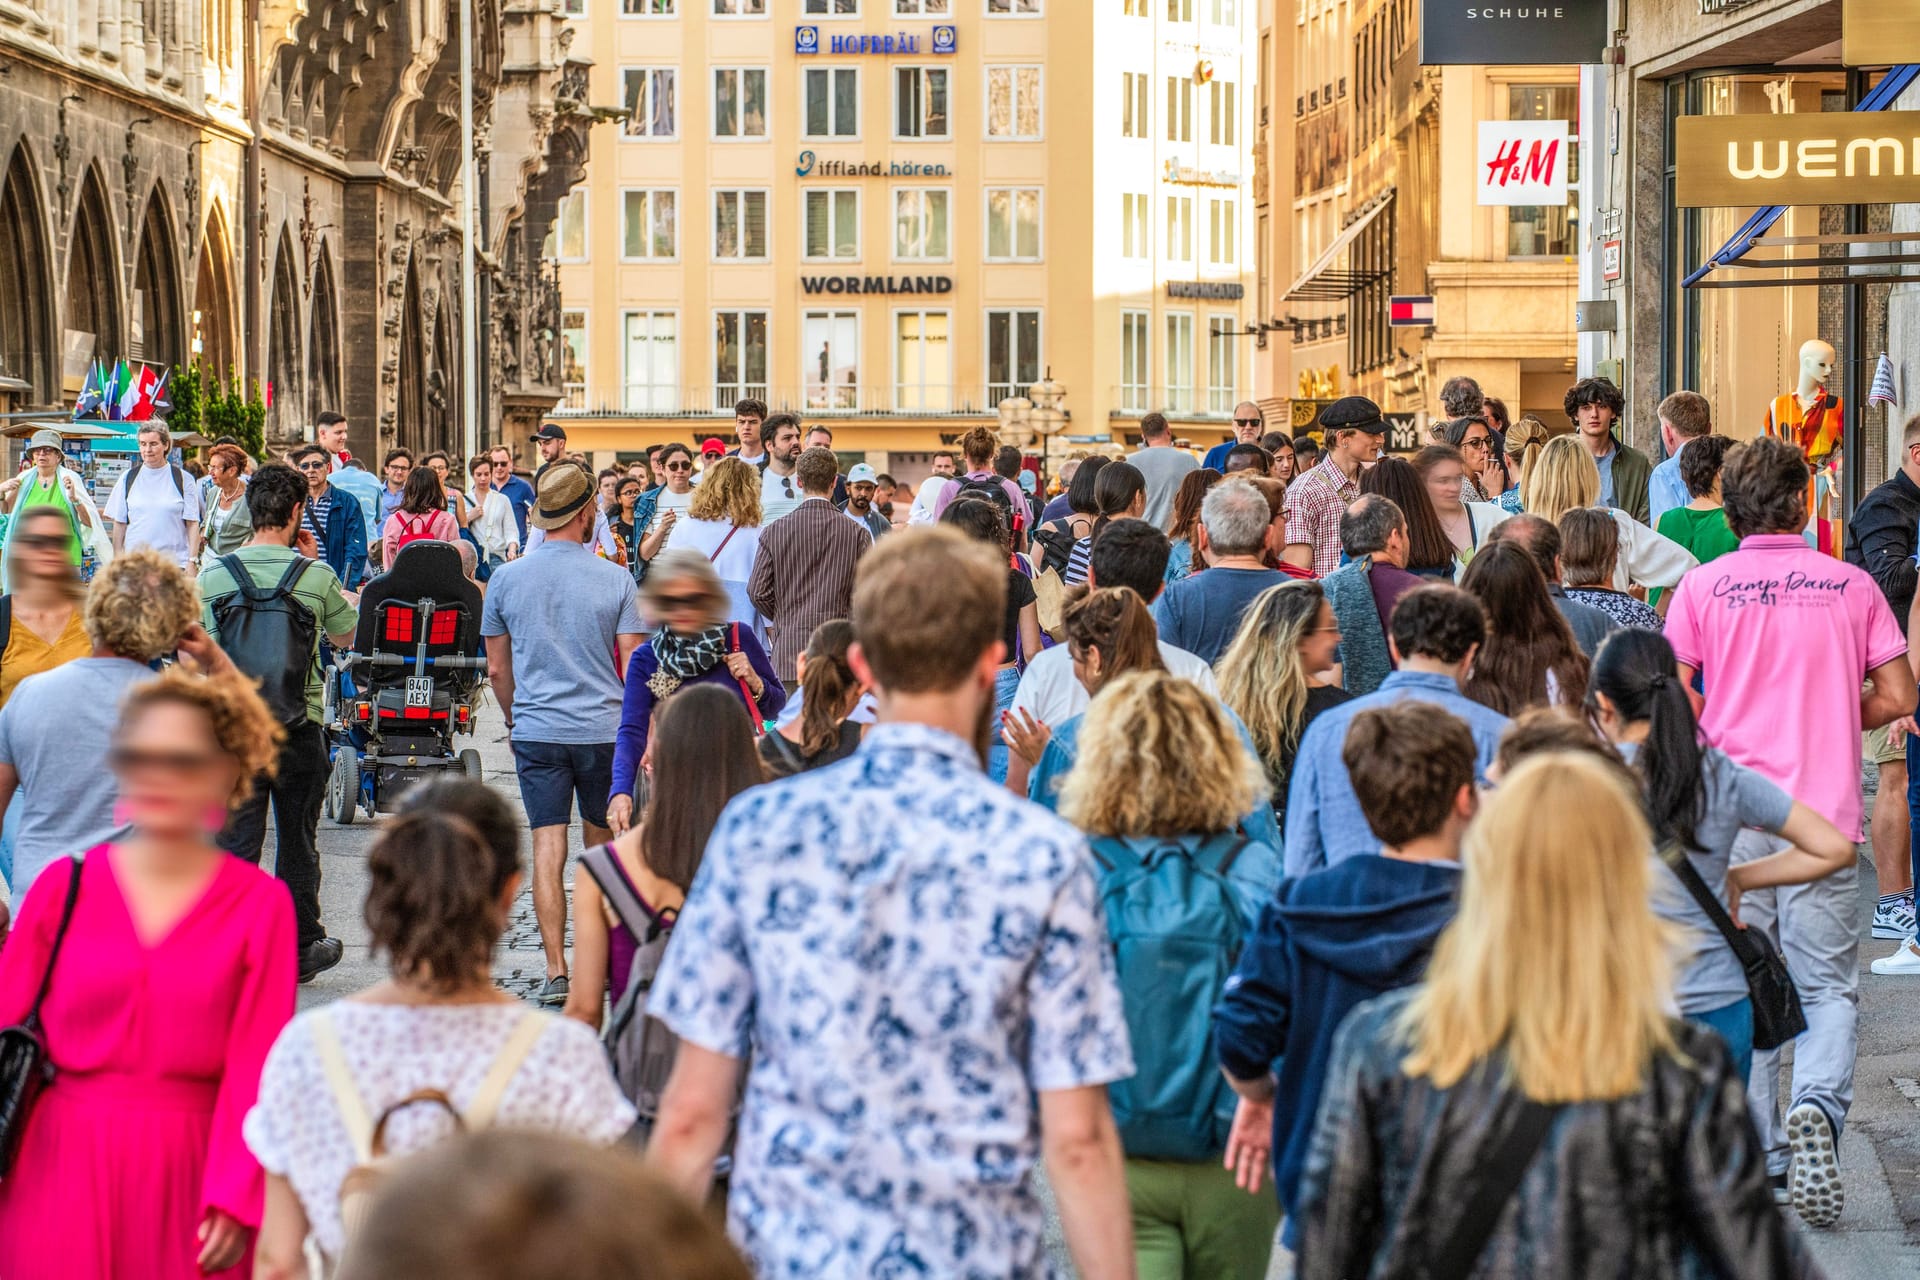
[
  {"x": 561, "y": 624},
  {"x": 1163, "y": 467}
]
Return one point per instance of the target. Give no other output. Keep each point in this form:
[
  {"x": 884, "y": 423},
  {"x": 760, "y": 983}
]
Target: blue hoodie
[{"x": 1327, "y": 942}]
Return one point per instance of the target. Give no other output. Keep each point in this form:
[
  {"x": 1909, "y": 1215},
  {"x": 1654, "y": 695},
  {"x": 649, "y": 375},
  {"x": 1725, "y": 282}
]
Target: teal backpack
[{"x": 1177, "y": 930}]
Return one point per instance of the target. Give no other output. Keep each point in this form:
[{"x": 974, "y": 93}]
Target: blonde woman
[
  {"x": 1162, "y": 774},
  {"x": 723, "y": 524},
  {"x": 1564, "y": 477},
  {"x": 1273, "y": 675},
  {"x": 1544, "y": 1041},
  {"x": 1525, "y": 439}
]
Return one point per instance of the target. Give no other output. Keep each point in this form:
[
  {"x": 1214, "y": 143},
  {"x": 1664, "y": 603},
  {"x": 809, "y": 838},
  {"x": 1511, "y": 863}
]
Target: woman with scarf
[{"x": 693, "y": 644}]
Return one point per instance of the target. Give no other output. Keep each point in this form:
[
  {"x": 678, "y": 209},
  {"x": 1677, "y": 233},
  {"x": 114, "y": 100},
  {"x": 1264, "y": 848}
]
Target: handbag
[
  {"x": 1777, "y": 1016},
  {"x": 1499, "y": 1178},
  {"x": 753, "y": 707},
  {"x": 25, "y": 1068},
  {"x": 1050, "y": 603}
]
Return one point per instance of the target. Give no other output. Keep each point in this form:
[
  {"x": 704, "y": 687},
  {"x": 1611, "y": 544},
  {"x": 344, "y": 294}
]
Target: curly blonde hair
[
  {"x": 1159, "y": 757},
  {"x": 1563, "y": 477},
  {"x": 140, "y": 605},
  {"x": 730, "y": 491},
  {"x": 242, "y": 725}
]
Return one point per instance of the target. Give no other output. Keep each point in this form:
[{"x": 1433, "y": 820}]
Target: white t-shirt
[
  {"x": 924, "y": 497},
  {"x": 155, "y": 513},
  {"x": 294, "y": 1130},
  {"x": 671, "y": 501},
  {"x": 778, "y": 495},
  {"x": 1052, "y": 694}
]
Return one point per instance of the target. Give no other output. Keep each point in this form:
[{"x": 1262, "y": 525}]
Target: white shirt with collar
[{"x": 1052, "y": 694}]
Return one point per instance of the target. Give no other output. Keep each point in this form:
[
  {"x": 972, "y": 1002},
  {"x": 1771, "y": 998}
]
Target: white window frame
[
  {"x": 919, "y": 9},
  {"x": 739, "y": 195},
  {"x": 920, "y": 69},
  {"x": 673, "y": 7},
  {"x": 1179, "y": 108},
  {"x": 672, "y": 390},
  {"x": 1229, "y": 206},
  {"x": 830, "y": 9},
  {"x": 807, "y": 358},
  {"x": 1133, "y": 395},
  {"x": 714, "y": 10},
  {"x": 893, "y": 223},
  {"x": 1136, "y": 9},
  {"x": 986, "y": 225},
  {"x": 1014, "y": 386},
  {"x": 1136, "y": 95},
  {"x": 574, "y": 9},
  {"x": 586, "y": 356},
  {"x": 679, "y": 233},
  {"x": 650, "y": 70},
  {"x": 1223, "y": 335},
  {"x": 726, "y": 393},
  {"x": 833, "y": 223},
  {"x": 1136, "y": 226},
  {"x": 1178, "y": 395},
  {"x": 1179, "y": 247},
  {"x": 1013, "y": 88},
  {"x": 893, "y": 357},
  {"x": 766, "y": 101},
  {"x": 1223, "y": 126},
  {"x": 1222, "y": 13},
  {"x": 1014, "y": 8},
  {"x": 831, "y": 69},
  {"x": 1179, "y": 10}
]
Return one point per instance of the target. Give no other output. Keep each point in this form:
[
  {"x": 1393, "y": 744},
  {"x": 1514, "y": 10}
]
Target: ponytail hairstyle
[
  {"x": 1118, "y": 485},
  {"x": 1115, "y": 622},
  {"x": 1636, "y": 670},
  {"x": 828, "y": 687},
  {"x": 703, "y": 756},
  {"x": 436, "y": 876}
]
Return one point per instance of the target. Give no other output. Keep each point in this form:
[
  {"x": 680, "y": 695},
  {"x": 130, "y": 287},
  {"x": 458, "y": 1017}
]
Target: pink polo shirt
[{"x": 1783, "y": 637}]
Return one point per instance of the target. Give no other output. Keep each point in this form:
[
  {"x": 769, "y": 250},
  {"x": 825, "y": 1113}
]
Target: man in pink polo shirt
[{"x": 1785, "y": 640}]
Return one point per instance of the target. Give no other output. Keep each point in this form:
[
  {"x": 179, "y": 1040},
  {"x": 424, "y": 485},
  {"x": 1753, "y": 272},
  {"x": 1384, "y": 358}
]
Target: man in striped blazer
[{"x": 803, "y": 574}]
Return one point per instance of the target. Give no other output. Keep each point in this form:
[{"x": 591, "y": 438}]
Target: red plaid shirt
[{"x": 1315, "y": 503}]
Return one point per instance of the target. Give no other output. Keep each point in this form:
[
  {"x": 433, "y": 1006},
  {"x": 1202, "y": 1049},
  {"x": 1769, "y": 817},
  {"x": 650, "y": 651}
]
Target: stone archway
[
  {"x": 157, "y": 330},
  {"x": 27, "y": 349},
  {"x": 286, "y": 388},
  {"x": 214, "y": 311},
  {"x": 90, "y": 319},
  {"x": 323, "y": 341}
]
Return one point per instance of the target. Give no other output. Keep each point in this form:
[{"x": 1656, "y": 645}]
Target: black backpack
[
  {"x": 126, "y": 479},
  {"x": 995, "y": 491},
  {"x": 271, "y": 635}
]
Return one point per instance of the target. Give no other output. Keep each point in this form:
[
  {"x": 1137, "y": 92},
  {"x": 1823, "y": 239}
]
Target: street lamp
[{"x": 1015, "y": 429}]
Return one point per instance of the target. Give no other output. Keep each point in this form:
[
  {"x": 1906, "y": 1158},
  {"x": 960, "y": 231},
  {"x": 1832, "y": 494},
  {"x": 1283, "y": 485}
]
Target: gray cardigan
[{"x": 1364, "y": 658}]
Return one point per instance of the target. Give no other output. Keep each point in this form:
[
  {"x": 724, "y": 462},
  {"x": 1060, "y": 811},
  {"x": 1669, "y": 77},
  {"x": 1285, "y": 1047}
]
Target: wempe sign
[
  {"x": 1820, "y": 157},
  {"x": 1470, "y": 32}
]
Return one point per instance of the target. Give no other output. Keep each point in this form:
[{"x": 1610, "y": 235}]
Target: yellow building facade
[{"x": 889, "y": 216}]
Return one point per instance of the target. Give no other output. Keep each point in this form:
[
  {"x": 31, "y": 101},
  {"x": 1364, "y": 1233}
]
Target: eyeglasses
[
  {"x": 179, "y": 763},
  {"x": 42, "y": 541},
  {"x": 1246, "y": 422},
  {"x": 679, "y": 466},
  {"x": 1476, "y": 442},
  {"x": 312, "y": 464},
  {"x": 669, "y": 604}
]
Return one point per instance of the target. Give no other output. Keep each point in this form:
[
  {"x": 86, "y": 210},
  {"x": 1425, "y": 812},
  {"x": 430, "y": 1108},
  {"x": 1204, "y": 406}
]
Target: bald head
[
  {"x": 1248, "y": 422},
  {"x": 1537, "y": 535}
]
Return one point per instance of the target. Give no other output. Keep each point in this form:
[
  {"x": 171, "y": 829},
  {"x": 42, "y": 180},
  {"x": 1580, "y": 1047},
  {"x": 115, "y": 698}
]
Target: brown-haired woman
[
  {"x": 1530, "y": 658},
  {"x": 437, "y": 1040},
  {"x": 1186, "y": 518},
  {"x": 423, "y": 514},
  {"x": 225, "y": 526},
  {"x": 1429, "y": 549},
  {"x": 703, "y": 756},
  {"x": 829, "y": 691},
  {"x": 1589, "y": 550},
  {"x": 172, "y": 968}
]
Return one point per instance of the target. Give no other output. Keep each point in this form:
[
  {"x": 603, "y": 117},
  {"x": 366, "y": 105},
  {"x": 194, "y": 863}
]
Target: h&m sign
[
  {"x": 1523, "y": 162},
  {"x": 1560, "y": 32},
  {"x": 1825, "y": 157}
]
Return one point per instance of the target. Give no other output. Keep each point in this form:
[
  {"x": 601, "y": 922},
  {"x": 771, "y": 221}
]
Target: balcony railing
[
  {"x": 1132, "y": 400},
  {"x": 820, "y": 400}
]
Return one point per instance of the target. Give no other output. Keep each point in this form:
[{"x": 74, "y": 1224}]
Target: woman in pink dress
[{"x": 176, "y": 974}]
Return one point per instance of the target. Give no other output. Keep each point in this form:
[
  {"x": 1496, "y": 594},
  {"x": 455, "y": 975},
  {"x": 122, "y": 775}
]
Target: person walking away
[
  {"x": 156, "y": 504},
  {"x": 1164, "y": 466},
  {"x": 1327, "y": 941},
  {"x": 1539, "y": 1071},
  {"x": 1529, "y": 657},
  {"x": 1057, "y": 537},
  {"x": 1201, "y": 613},
  {"x": 1777, "y": 595},
  {"x": 270, "y": 604},
  {"x": 1430, "y": 551},
  {"x": 160, "y": 969},
  {"x": 1363, "y": 592},
  {"x": 1160, "y": 793},
  {"x": 1701, "y": 525},
  {"x": 561, "y": 625},
  {"x": 1590, "y": 547},
  {"x": 332, "y": 515},
  {"x": 1436, "y": 632},
  {"x": 692, "y": 643},
  {"x": 779, "y": 485},
  {"x": 46, "y": 482},
  {"x": 1698, "y": 802},
  {"x": 1354, "y": 433},
  {"x": 1466, "y": 522},
  {"x": 1595, "y": 406},
  {"x": 803, "y": 572},
  {"x": 1540, "y": 538},
  {"x": 1524, "y": 441},
  {"x": 978, "y": 446},
  {"x": 224, "y": 524},
  {"x": 824, "y": 732},
  {"x": 1564, "y": 477},
  {"x": 423, "y": 516},
  {"x": 434, "y": 1048},
  {"x": 1685, "y": 416},
  {"x": 1273, "y": 675},
  {"x": 983, "y": 521},
  {"x": 1248, "y": 423},
  {"x": 517, "y": 492},
  {"x": 442, "y": 466},
  {"x": 492, "y": 525},
  {"x": 862, "y": 485},
  {"x": 1184, "y": 522},
  {"x": 906, "y": 839},
  {"x": 723, "y": 523},
  {"x": 1880, "y": 539}
]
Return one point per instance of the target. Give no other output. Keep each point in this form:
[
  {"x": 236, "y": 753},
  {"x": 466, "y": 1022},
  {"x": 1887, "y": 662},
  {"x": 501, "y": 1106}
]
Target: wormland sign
[
  {"x": 1467, "y": 31},
  {"x": 1823, "y": 157},
  {"x": 876, "y": 284}
]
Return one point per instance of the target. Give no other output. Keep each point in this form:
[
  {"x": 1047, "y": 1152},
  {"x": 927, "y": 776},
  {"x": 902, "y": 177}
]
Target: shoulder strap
[
  {"x": 238, "y": 570},
  {"x": 292, "y": 576},
  {"x": 6, "y": 621},
  {"x": 486, "y": 1099},
  {"x": 346, "y": 1095},
  {"x": 1114, "y": 854},
  {"x": 1227, "y": 845},
  {"x": 601, "y": 863},
  {"x": 1500, "y": 1178},
  {"x": 59, "y": 937},
  {"x": 723, "y": 543},
  {"x": 179, "y": 479},
  {"x": 1683, "y": 869}
]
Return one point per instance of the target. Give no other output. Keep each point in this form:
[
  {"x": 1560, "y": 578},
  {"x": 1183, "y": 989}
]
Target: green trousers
[{"x": 1191, "y": 1223}]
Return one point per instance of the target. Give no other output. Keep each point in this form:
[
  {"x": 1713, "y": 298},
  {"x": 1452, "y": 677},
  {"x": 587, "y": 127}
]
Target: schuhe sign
[
  {"x": 1470, "y": 32},
  {"x": 1826, "y": 157}
]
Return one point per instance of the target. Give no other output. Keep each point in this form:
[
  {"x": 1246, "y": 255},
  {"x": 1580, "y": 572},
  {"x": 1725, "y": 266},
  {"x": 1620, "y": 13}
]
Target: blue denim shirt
[
  {"x": 1665, "y": 489},
  {"x": 1324, "y": 821}
]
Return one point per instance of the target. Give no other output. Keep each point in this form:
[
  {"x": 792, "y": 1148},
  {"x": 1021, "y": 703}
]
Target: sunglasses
[
  {"x": 41, "y": 541},
  {"x": 1246, "y": 422},
  {"x": 786, "y": 483},
  {"x": 312, "y": 464},
  {"x": 134, "y": 760},
  {"x": 679, "y": 466},
  {"x": 670, "y": 603}
]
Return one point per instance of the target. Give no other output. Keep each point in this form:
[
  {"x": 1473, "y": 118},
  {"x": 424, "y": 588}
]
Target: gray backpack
[{"x": 641, "y": 1048}]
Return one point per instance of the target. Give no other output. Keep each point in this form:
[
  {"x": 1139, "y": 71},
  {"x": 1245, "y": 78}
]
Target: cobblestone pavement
[{"x": 1878, "y": 1236}]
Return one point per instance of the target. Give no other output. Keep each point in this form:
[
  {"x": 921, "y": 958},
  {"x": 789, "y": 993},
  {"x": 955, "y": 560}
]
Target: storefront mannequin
[{"x": 1813, "y": 418}]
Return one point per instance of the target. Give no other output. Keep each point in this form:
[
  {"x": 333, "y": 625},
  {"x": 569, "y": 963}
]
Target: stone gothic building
[{"x": 274, "y": 186}]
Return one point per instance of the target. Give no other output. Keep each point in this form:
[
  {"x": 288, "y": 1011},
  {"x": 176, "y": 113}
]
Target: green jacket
[{"x": 1631, "y": 471}]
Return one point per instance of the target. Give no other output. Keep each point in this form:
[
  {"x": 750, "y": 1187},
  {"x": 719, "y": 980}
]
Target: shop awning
[
  {"x": 1882, "y": 96},
  {"x": 1322, "y": 282}
]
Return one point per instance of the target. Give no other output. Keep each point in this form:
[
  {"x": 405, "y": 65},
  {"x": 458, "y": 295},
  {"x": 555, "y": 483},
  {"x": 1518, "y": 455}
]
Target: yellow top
[{"x": 28, "y": 655}]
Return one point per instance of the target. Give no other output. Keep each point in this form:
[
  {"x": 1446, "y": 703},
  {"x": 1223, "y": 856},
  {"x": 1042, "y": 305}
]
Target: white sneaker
[
  {"x": 1893, "y": 920},
  {"x": 1814, "y": 1184},
  {"x": 1905, "y": 961}
]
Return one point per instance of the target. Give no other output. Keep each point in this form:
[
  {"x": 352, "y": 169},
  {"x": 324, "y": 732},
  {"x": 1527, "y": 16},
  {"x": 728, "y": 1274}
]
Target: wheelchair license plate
[{"x": 419, "y": 691}]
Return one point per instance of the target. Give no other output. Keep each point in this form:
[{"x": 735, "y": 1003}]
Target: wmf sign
[{"x": 1568, "y": 32}]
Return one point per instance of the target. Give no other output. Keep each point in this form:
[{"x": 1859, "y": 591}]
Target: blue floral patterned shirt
[{"x": 910, "y": 954}]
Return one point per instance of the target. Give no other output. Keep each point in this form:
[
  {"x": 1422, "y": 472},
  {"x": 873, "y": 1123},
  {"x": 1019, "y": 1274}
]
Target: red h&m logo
[{"x": 1507, "y": 167}]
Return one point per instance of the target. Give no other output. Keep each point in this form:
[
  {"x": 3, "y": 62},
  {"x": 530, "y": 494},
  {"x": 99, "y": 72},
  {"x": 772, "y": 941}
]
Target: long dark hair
[
  {"x": 1119, "y": 484},
  {"x": 1526, "y": 636},
  {"x": 703, "y": 757},
  {"x": 1187, "y": 500},
  {"x": 1080, "y": 497},
  {"x": 1430, "y": 550},
  {"x": 423, "y": 494},
  {"x": 1637, "y": 672},
  {"x": 827, "y": 684}
]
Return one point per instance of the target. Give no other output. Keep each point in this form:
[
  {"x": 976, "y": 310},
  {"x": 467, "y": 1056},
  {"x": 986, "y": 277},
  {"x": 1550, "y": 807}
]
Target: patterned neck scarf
[{"x": 685, "y": 657}]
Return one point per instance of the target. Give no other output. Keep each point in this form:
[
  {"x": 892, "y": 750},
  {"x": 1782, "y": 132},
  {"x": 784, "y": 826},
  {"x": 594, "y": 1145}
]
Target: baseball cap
[
  {"x": 564, "y": 489},
  {"x": 44, "y": 438},
  {"x": 550, "y": 431},
  {"x": 861, "y": 473},
  {"x": 1354, "y": 412},
  {"x": 712, "y": 447},
  {"x": 1026, "y": 481}
]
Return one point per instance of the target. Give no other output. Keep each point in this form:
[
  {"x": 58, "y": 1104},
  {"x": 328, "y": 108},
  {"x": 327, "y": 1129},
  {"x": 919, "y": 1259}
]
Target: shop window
[
  {"x": 1013, "y": 102},
  {"x": 652, "y": 355},
  {"x": 1534, "y": 231},
  {"x": 1179, "y": 362},
  {"x": 832, "y": 102},
  {"x": 1133, "y": 360},
  {"x": 833, "y": 224},
  {"x": 922, "y": 362},
  {"x": 1013, "y": 224}
]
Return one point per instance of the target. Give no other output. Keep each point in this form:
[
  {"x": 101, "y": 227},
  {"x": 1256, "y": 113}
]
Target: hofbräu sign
[
  {"x": 876, "y": 284},
  {"x": 1564, "y": 32},
  {"x": 1821, "y": 157}
]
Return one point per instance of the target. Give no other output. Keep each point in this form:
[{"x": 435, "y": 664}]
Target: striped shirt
[{"x": 803, "y": 576}]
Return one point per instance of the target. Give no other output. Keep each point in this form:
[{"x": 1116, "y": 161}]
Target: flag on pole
[
  {"x": 129, "y": 383},
  {"x": 144, "y": 384},
  {"x": 87, "y": 403},
  {"x": 1883, "y": 392}
]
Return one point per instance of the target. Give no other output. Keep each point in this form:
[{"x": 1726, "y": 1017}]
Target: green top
[
  {"x": 317, "y": 588},
  {"x": 1705, "y": 533},
  {"x": 35, "y": 492}
]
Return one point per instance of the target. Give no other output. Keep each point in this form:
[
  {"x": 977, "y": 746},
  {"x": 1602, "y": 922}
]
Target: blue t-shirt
[
  {"x": 563, "y": 609},
  {"x": 519, "y": 496},
  {"x": 1201, "y": 613},
  {"x": 1217, "y": 456}
]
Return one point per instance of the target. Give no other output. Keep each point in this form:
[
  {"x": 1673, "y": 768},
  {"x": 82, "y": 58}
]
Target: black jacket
[
  {"x": 1670, "y": 1181},
  {"x": 1880, "y": 539}
]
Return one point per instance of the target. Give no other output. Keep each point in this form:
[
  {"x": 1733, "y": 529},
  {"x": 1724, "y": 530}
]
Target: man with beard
[
  {"x": 779, "y": 491},
  {"x": 862, "y": 484}
]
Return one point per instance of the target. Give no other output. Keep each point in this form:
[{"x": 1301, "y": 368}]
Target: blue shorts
[{"x": 554, "y": 775}]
